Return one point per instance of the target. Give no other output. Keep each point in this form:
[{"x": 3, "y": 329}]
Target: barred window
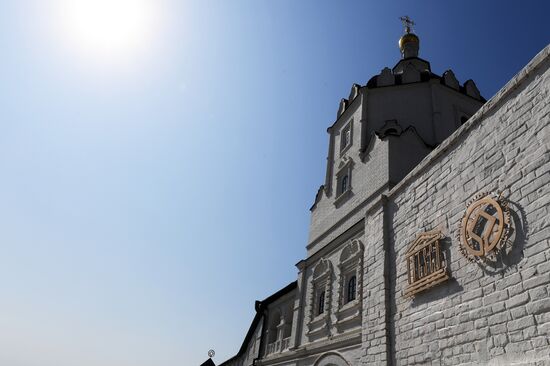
[
  {"x": 425, "y": 263},
  {"x": 352, "y": 288},
  {"x": 321, "y": 305}
]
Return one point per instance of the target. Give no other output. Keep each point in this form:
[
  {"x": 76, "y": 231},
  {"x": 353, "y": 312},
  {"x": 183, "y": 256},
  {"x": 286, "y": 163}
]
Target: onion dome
[
  {"x": 408, "y": 38},
  {"x": 409, "y": 43}
]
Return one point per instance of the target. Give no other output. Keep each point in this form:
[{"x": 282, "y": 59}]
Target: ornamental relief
[
  {"x": 486, "y": 236},
  {"x": 426, "y": 266},
  {"x": 485, "y": 228},
  {"x": 344, "y": 162}
]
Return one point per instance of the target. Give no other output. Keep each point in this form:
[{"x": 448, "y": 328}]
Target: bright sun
[{"x": 109, "y": 27}]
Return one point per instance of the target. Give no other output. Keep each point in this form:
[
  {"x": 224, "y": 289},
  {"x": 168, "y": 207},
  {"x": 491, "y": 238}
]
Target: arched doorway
[{"x": 331, "y": 359}]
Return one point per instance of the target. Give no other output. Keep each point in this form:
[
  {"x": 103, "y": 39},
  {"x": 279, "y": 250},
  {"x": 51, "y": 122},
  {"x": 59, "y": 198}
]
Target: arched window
[
  {"x": 352, "y": 288},
  {"x": 321, "y": 305},
  {"x": 344, "y": 183}
]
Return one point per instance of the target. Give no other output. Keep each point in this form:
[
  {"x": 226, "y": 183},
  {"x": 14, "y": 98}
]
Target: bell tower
[{"x": 382, "y": 131}]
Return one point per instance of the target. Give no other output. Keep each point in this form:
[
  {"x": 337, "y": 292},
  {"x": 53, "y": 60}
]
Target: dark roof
[
  {"x": 208, "y": 362},
  {"x": 260, "y": 306},
  {"x": 424, "y": 76}
]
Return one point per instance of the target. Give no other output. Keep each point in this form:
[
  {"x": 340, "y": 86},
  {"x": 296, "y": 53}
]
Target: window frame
[
  {"x": 344, "y": 173},
  {"x": 321, "y": 300},
  {"x": 347, "y": 130},
  {"x": 344, "y": 184},
  {"x": 320, "y": 283},
  {"x": 351, "y": 291},
  {"x": 348, "y": 313}
]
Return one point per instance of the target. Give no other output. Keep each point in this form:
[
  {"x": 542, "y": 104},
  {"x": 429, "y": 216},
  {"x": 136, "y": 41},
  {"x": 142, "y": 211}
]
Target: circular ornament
[
  {"x": 485, "y": 227},
  {"x": 211, "y": 353}
]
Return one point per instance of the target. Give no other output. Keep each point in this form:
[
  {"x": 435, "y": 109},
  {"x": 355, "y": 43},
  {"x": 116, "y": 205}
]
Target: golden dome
[{"x": 408, "y": 38}]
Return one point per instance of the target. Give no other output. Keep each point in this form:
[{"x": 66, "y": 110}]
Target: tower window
[
  {"x": 347, "y": 137},
  {"x": 345, "y": 140},
  {"x": 344, "y": 184},
  {"x": 321, "y": 305},
  {"x": 352, "y": 288},
  {"x": 343, "y": 180}
]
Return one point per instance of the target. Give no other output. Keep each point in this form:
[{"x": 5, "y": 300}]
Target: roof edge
[{"x": 260, "y": 306}]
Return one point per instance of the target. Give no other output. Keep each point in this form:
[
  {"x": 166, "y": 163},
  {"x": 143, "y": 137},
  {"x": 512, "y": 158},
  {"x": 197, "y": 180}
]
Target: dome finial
[
  {"x": 407, "y": 23},
  {"x": 409, "y": 43}
]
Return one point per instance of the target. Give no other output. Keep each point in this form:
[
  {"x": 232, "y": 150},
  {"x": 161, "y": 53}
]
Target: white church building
[{"x": 429, "y": 241}]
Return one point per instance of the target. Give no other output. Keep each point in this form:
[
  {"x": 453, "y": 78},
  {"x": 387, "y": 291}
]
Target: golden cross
[{"x": 407, "y": 23}]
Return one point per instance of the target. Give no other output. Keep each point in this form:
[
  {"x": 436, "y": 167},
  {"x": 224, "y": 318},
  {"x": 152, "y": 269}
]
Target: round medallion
[
  {"x": 211, "y": 353},
  {"x": 484, "y": 227}
]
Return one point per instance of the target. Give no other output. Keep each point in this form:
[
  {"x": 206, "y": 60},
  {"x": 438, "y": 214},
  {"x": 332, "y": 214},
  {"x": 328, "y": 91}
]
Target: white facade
[{"x": 396, "y": 166}]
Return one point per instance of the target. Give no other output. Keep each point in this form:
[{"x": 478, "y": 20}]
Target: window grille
[
  {"x": 425, "y": 263},
  {"x": 321, "y": 305}
]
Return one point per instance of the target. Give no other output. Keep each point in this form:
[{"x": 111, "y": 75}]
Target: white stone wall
[
  {"x": 483, "y": 316},
  {"x": 369, "y": 178},
  {"x": 326, "y": 215},
  {"x": 375, "y": 338},
  {"x": 432, "y": 108}
]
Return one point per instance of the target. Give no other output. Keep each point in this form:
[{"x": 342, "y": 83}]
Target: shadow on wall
[
  {"x": 512, "y": 251},
  {"x": 444, "y": 289},
  {"x": 509, "y": 256}
]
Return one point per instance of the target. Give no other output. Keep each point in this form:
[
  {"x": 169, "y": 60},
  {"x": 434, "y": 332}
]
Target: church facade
[{"x": 429, "y": 240}]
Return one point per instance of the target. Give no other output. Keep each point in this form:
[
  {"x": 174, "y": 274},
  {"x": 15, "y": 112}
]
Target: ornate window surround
[
  {"x": 344, "y": 169},
  {"x": 351, "y": 264},
  {"x": 321, "y": 280}
]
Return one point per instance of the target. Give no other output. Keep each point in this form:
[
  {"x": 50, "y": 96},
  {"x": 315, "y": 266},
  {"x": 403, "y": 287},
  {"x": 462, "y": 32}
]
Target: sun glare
[{"x": 109, "y": 27}]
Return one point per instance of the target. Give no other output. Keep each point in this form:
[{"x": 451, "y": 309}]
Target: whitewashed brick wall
[{"x": 483, "y": 316}]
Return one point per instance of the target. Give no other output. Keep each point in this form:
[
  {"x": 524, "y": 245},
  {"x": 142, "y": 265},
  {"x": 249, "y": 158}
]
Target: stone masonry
[
  {"x": 484, "y": 315},
  {"x": 407, "y": 173}
]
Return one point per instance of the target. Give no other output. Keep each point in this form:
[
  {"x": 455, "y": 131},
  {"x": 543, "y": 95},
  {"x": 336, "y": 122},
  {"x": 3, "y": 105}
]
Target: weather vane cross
[{"x": 407, "y": 23}]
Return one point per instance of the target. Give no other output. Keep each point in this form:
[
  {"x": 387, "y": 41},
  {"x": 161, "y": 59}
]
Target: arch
[
  {"x": 322, "y": 268},
  {"x": 352, "y": 250},
  {"x": 331, "y": 359}
]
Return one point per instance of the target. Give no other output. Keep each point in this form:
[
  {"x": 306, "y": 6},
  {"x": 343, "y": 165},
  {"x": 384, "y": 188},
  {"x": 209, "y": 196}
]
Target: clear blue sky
[{"x": 153, "y": 188}]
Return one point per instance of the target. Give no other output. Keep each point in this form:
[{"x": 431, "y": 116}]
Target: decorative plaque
[{"x": 485, "y": 227}]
